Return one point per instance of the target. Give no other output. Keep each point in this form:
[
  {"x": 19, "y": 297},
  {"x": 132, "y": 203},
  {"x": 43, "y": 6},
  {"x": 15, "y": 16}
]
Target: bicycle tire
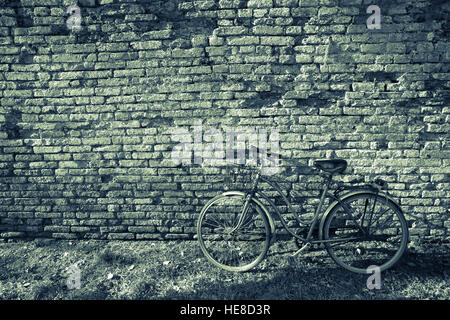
[
  {"x": 370, "y": 244},
  {"x": 232, "y": 251}
]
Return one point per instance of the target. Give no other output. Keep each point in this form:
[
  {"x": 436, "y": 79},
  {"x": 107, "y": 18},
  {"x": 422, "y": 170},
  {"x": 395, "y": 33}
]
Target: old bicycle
[{"x": 362, "y": 226}]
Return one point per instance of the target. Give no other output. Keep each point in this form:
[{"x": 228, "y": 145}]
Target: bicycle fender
[
  {"x": 258, "y": 202},
  {"x": 347, "y": 195}
]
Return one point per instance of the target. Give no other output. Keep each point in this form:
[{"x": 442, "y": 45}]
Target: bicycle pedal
[
  {"x": 291, "y": 261},
  {"x": 273, "y": 239}
]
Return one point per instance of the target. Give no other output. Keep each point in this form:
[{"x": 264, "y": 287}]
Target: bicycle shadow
[{"x": 418, "y": 275}]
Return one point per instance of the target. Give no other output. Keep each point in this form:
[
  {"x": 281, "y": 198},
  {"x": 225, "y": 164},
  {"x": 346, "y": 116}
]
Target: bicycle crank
[
  {"x": 305, "y": 247},
  {"x": 303, "y": 233}
]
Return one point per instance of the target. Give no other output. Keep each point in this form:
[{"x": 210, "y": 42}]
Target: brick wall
[{"x": 86, "y": 115}]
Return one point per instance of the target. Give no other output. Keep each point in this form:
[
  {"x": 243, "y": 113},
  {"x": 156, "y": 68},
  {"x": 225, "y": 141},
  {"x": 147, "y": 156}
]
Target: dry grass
[{"x": 177, "y": 270}]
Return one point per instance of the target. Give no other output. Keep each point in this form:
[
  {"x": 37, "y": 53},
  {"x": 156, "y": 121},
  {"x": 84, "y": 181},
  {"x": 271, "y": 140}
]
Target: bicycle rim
[
  {"x": 228, "y": 247},
  {"x": 359, "y": 240}
]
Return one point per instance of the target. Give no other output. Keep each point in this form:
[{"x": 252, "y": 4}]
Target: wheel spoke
[
  {"x": 383, "y": 241},
  {"x": 233, "y": 247},
  {"x": 353, "y": 218}
]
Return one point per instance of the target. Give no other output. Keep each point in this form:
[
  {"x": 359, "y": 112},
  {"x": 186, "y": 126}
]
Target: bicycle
[{"x": 360, "y": 228}]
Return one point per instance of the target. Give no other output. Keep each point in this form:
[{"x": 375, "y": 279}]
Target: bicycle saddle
[{"x": 331, "y": 166}]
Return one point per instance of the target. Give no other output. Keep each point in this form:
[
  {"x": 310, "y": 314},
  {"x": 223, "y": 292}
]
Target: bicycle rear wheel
[
  {"x": 360, "y": 232},
  {"x": 228, "y": 247}
]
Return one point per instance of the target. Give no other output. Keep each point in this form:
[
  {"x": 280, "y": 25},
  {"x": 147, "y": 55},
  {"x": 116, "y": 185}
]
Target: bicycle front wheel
[
  {"x": 230, "y": 240},
  {"x": 365, "y": 230}
]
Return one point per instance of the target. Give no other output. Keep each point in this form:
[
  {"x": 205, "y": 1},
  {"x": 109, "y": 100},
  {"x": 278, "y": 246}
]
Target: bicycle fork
[{"x": 246, "y": 206}]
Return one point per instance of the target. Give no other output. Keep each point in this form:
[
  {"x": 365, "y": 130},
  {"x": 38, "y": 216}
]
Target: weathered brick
[
  {"x": 260, "y": 3},
  {"x": 147, "y": 45},
  {"x": 86, "y": 118},
  {"x": 243, "y": 40}
]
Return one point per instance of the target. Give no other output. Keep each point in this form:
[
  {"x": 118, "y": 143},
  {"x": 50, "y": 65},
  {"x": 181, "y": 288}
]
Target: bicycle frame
[
  {"x": 259, "y": 194},
  {"x": 296, "y": 214},
  {"x": 254, "y": 193}
]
